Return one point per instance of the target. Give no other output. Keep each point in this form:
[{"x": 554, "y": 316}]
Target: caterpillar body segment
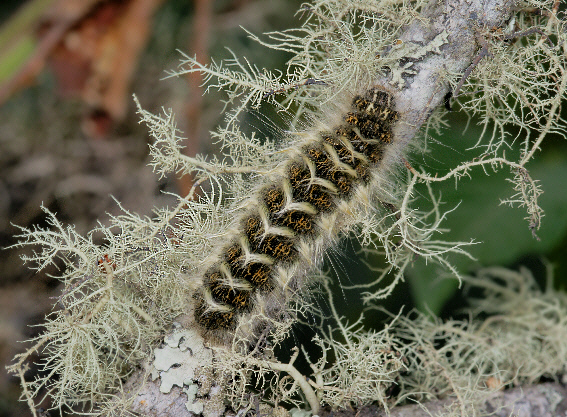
[{"x": 290, "y": 216}]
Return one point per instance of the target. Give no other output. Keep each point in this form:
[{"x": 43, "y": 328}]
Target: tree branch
[
  {"x": 535, "y": 401},
  {"x": 443, "y": 40}
]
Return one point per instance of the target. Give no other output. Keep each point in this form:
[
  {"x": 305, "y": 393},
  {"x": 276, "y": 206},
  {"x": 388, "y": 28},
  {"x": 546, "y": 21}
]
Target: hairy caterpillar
[{"x": 295, "y": 214}]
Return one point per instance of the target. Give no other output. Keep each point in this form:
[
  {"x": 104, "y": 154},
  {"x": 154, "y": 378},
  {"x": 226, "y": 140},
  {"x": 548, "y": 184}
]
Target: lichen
[{"x": 119, "y": 298}]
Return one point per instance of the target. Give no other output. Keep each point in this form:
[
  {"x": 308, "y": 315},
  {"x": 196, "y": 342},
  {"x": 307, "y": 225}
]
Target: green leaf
[{"x": 501, "y": 231}]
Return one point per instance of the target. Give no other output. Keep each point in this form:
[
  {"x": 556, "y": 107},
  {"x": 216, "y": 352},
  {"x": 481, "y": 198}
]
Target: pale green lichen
[
  {"x": 467, "y": 359},
  {"x": 119, "y": 298}
]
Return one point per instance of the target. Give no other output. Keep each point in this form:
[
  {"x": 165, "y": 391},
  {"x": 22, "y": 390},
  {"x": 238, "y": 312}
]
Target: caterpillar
[{"x": 293, "y": 214}]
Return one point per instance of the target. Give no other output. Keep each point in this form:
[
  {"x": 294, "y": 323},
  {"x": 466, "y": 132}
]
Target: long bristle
[{"x": 291, "y": 210}]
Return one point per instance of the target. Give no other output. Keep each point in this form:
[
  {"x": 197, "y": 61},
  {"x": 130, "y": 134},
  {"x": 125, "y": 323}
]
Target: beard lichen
[{"x": 120, "y": 299}]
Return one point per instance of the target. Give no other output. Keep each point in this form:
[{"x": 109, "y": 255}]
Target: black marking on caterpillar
[
  {"x": 326, "y": 172},
  {"x": 447, "y": 100}
]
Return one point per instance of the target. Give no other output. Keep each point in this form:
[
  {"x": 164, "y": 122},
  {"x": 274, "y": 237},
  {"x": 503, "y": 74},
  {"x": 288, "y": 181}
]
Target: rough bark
[{"x": 544, "y": 400}]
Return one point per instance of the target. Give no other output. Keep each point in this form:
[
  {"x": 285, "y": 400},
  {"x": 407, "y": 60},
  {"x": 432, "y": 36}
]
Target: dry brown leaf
[{"x": 97, "y": 58}]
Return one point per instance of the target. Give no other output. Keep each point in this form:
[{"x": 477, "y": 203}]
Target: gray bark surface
[{"x": 544, "y": 400}]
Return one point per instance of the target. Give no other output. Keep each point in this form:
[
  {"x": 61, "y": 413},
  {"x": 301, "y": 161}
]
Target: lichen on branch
[{"x": 506, "y": 63}]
